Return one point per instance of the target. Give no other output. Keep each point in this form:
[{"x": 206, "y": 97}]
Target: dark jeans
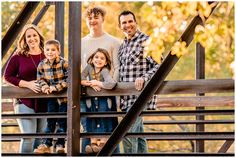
[
  {"x": 98, "y": 124},
  {"x": 135, "y": 145},
  {"x": 53, "y": 106}
]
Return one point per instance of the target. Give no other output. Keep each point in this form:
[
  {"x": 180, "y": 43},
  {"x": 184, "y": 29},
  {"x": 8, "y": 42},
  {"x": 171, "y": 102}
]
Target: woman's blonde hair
[{"x": 22, "y": 46}]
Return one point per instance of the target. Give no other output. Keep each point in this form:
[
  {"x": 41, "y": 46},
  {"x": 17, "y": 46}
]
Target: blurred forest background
[{"x": 164, "y": 22}]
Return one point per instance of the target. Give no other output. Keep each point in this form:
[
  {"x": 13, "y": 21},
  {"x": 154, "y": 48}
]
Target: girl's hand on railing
[
  {"x": 85, "y": 83},
  {"x": 96, "y": 88},
  {"x": 96, "y": 83}
]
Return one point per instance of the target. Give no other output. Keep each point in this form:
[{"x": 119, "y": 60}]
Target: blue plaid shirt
[{"x": 133, "y": 65}]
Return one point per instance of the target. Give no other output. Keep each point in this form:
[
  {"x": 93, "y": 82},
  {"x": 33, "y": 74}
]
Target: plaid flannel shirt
[
  {"x": 133, "y": 64},
  {"x": 54, "y": 74}
]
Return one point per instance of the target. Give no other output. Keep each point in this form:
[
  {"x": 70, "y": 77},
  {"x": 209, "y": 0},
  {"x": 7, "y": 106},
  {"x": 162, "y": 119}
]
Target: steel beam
[
  {"x": 122, "y": 114},
  {"x": 169, "y": 135},
  {"x": 227, "y": 144},
  {"x": 200, "y": 74},
  {"x": 153, "y": 154},
  {"x": 33, "y": 135},
  {"x": 73, "y": 127},
  {"x": 59, "y": 24},
  {"x": 41, "y": 14}
]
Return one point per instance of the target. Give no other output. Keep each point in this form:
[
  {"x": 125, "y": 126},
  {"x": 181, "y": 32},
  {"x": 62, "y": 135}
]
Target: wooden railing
[
  {"x": 221, "y": 95},
  {"x": 168, "y": 87}
]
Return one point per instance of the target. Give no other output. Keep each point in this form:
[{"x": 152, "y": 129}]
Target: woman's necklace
[{"x": 34, "y": 61}]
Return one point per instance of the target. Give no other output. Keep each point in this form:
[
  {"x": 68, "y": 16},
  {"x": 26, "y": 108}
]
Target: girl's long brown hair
[
  {"x": 22, "y": 46},
  {"x": 106, "y": 54}
]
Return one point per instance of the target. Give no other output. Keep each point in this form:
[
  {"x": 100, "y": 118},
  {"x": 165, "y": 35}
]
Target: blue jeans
[
  {"x": 28, "y": 125},
  {"x": 83, "y": 120},
  {"x": 53, "y": 106},
  {"x": 135, "y": 145},
  {"x": 97, "y": 104}
]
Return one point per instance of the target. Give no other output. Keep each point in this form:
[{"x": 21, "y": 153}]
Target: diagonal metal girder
[
  {"x": 148, "y": 91},
  {"x": 17, "y": 25}
]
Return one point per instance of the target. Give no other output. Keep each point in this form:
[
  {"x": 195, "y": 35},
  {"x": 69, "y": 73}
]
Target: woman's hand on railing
[{"x": 33, "y": 85}]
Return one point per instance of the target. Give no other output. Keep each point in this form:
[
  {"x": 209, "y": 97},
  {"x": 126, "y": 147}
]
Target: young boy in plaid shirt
[{"x": 52, "y": 74}]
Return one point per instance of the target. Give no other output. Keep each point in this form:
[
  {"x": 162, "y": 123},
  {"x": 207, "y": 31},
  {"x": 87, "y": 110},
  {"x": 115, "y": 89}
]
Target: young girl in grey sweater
[{"x": 97, "y": 75}]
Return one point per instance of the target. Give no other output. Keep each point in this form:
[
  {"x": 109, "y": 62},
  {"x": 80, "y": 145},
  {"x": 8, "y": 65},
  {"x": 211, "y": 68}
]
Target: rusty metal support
[
  {"x": 200, "y": 74},
  {"x": 35, "y": 115},
  {"x": 41, "y": 13},
  {"x": 227, "y": 144},
  {"x": 152, "y": 154},
  {"x": 33, "y": 135},
  {"x": 166, "y": 122},
  {"x": 122, "y": 114},
  {"x": 73, "y": 129},
  {"x": 17, "y": 25},
  {"x": 170, "y": 135},
  {"x": 148, "y": 91},
  {"x": 59, "y": 24}
]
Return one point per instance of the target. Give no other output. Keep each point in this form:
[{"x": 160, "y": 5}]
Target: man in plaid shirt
[{"x": 134, "y": 67}]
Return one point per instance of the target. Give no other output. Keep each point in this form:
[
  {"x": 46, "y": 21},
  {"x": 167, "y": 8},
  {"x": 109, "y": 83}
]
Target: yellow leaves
[
  {"x": 179, "y": 49},
  {"x": 232, "y": 68},
  {"x": 203, "y": 36},
  {"x": 156, "y": 55},
  {"x": 154, "y": 50},
  {"x": 204, "y": 9}
]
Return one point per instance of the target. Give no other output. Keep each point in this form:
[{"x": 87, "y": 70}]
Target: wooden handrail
[
  {"x": 122, "y": 88},
  {"x": 191, "y": 101}
]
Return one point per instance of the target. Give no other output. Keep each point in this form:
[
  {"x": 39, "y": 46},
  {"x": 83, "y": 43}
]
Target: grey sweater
[{"x": 105, "y": 77}]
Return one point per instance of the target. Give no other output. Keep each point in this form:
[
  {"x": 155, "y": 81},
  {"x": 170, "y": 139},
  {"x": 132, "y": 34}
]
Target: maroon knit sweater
[{"x": 21, "y": 67}]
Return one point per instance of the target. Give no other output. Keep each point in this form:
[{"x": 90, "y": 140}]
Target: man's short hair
[
  {"x": 126, "y": 12},
  {"x": 53, "y": 42},
  {"x": 95, "y": 11}
]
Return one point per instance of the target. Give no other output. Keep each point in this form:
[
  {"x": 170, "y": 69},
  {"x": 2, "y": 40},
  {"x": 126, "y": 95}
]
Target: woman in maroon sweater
[{"x": 21, "y": 71}]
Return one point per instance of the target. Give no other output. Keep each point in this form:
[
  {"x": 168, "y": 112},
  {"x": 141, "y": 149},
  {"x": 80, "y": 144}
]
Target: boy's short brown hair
[
  {"x": 54, "y": 42},
  {"x": 95, "y": 11}
]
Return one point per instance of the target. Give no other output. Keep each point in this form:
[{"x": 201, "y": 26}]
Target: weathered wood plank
[
  {"x": 148, "y": 135},
  {"x": 122, "y": 88},
  {"x": 195, "y": 101},
  {"x": 7, "y": 106},
  {"x": 174, "y": 102}
]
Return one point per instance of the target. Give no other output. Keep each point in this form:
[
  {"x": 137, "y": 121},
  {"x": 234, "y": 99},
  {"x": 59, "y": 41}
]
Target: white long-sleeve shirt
[{"x": 106, "y": 41}]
